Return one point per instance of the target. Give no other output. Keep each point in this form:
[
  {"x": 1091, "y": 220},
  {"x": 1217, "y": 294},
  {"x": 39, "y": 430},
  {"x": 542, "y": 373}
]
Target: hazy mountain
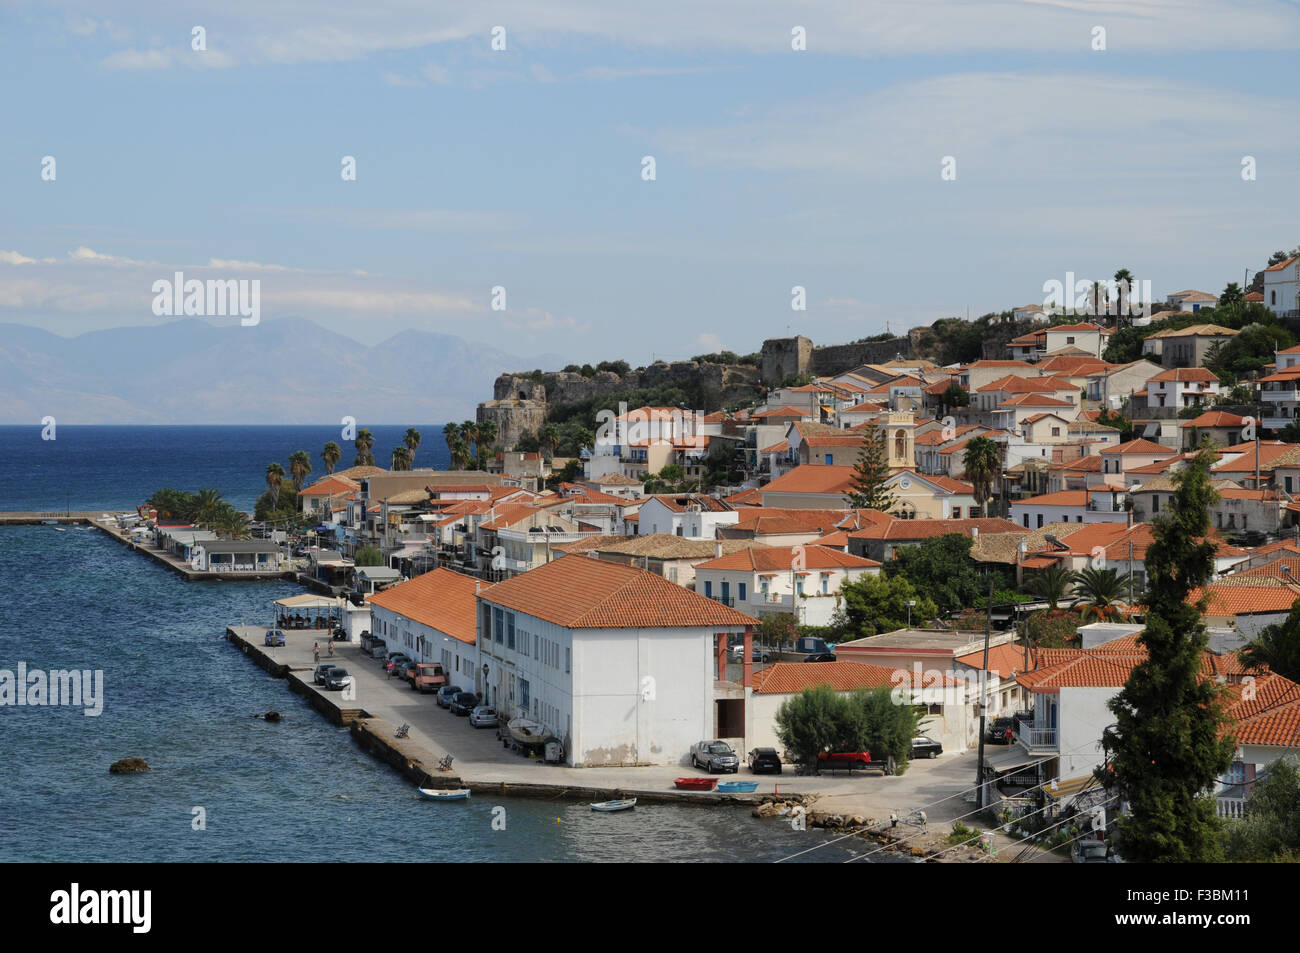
[{"x": 285, "y": 371}]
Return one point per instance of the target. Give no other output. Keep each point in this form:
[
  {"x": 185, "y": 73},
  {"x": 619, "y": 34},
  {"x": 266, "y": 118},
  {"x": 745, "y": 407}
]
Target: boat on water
[
  {"x": 453, "y": 794},
  {"x": 525, "y": 731},
  {"x": 695, "y": 784},
  {"x": 49, "y": 522},
  {"x": 609, "y": 807},
  {"x": 737, "y": 787}
]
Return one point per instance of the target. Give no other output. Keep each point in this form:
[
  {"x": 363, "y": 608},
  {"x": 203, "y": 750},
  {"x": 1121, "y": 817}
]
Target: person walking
[
  {"x": 331, "y": 650},
  {"x": 315, "y": 652}
]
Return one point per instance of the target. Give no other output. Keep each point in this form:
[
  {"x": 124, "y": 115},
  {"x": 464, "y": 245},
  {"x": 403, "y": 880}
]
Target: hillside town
[{"x": 973, "y": 536}]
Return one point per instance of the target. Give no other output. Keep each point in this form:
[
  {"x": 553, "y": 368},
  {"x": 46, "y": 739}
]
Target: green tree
[
  {"x": 955, "y": 396},
  {"x": 488, "y": 433},
  {"x": 1270, "y": 831},
  {"x": 365, "y": 445},
  {"x": 777, "y": 629},
  {"x": 983, "y": 463},
  {"x": 299, "y": 468},
  {"x": 873, "y": 604},
  {"x": 810, "y": 723},
  {"x": 868, "y": 490},
  {"x": 1050, "y": 585},
  {"x": 549, "y": 437},
  {"x": 941, "y": 567},
  {"x": 881, "y": 725},
  {"x": 1232, "y": 295},
  {"x": 1053, "y": 629},
  {"x": 1167, "y": 747},
  {"x": 331, "y": 455},
  {"x": 402, "y": 457},
  {"x": 412, "y": 439},
  {"x": 1277, "y": 647},
  {"x": 274, "y": 479},
  {"x": 368, "y": 556},
  {"x": 1099, "y": 592},
  {"x": 451, "y": 433}
]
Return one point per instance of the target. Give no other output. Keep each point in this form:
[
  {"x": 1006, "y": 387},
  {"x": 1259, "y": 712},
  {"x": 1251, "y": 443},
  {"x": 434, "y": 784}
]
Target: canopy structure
[{"x": 308, "y": 612}]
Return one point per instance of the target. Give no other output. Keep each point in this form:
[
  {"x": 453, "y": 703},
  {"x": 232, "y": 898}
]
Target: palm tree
[
  {"x": 1100, "y": 592},
  {"x": 299, "y": 467},
  {"x": 983, "y": 463},
  {"x": 488, "y": 433},
  {"x": 459, "y": 454},
  {"x": 364, "y": 443},
  {"x": 412, "y": 441},
  {"x": 402, "y": 458},
  {"x": 1124, "y": 278},
  {"x": 549, "y": 438},
  {"x": 274, "y": 477},
  {"x": 208, "y": 507},
  {"x": 232, "y": 524},
  {"x": 469, "y": 433},
  {"x": 332, "y": 454},
  {"x": 451, "y": 433},
  {"x": 1051, "y": 585}
]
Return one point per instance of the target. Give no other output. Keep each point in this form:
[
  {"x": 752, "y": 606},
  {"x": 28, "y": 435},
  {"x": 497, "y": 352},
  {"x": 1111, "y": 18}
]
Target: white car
[
  {"x": 738, "y": 654},
  {"x": 483, "y": 717}
]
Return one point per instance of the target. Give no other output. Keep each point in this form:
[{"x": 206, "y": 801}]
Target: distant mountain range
[{"x": 288, "y": 371}]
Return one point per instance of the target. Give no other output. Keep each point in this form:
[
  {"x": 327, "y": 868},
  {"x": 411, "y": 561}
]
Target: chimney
[{"x": 717, "y": 550}]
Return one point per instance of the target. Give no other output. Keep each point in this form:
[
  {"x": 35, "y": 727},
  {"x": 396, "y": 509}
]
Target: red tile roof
[
  {"x": 786, "y": 678},
  {"x": 441, "y": 599},
  {"x": 784, "y": 559},
  {"x": 583, "y": 593},
  {"x": 810, "y": 478}
]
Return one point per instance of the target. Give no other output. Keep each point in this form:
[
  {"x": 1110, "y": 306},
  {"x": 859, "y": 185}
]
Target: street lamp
[{"x": 910, "y": 603}]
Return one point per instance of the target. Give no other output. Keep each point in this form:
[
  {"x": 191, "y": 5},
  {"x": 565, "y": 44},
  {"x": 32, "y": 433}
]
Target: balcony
[
  {"x": 1279, "y": 396},
  {"x": 1232, "y": 808},
  {"x": 1036, "y": 740}
]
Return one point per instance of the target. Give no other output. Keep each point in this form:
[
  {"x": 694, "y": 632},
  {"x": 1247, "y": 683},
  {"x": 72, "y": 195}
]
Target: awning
[
  {"x": 308, "y": 602},
  {"x": 1060, "y": 790},
  {"x": 1014, "y": 757}
]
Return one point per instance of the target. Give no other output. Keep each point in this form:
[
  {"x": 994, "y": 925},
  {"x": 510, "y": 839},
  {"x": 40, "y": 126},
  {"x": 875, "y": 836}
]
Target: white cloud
[
  {"x": 231, "y": 264},
  {"x": 14, "y": 258},
  {"x": 711, "y": 343}
]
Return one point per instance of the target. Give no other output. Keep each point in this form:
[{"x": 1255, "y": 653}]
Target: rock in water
[
  {"x": 273, "y": 716},
  {"x": 129, "y": 766}
]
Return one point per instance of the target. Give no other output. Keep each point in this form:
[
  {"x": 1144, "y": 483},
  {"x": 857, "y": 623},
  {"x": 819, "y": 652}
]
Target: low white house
[
  {"x": 799, "y": 580},
  {"x": 1100, "y": 504},
  {"x": 689, "y": 515},
  {"x": 431, "y": 618},
  {"x": 618, "y": 663}
]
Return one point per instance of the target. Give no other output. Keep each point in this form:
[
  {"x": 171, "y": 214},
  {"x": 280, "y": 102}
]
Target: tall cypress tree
[
  {"x": 868, "y": 491},
  {"x": 1166, "y": 749}
]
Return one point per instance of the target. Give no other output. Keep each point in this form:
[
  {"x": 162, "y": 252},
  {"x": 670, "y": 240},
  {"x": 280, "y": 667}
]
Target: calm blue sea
[
  {"x": 180, "y": 696},
  {"x": 119, "y": 467}
]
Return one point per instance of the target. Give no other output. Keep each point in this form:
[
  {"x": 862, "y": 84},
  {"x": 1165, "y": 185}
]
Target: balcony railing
[
  {"x": 1036, "y": 738},
  {"x": 1233, "y": 808}
]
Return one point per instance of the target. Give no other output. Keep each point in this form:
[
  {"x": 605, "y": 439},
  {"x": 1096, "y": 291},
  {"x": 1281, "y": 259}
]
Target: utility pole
[{"x": 983, "y": 684}]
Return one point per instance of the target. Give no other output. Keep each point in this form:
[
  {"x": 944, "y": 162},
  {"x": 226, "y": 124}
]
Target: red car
[
  {"x": 429, "y": 677},
  {"x": 843, "y": 759}
]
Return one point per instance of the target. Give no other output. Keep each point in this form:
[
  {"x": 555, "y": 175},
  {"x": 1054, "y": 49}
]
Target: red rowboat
[{"x": 695, "y": 784}]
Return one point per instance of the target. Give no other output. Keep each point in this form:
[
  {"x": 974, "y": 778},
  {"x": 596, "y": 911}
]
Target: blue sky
[{"x": 522, "y": 168}]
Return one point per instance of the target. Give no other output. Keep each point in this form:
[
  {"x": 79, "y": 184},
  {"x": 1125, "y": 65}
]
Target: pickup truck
[{"x": 429, "y": 677}]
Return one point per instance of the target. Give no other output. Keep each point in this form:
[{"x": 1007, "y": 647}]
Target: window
[
  {"x": 798, "y": 587},
  {"x": 726, "y": 590},
  {"x": 1287, "y": 481},
  {"x": 708, "y": 589},
  {"x": 1026, "y": 521},
  {"x": 1040, "y": 520},
  {"x": 740, "y": 591},
  {"x": 1069, "y": 340},
  {"x": 568, "y": 658},
  {"x": 523, "y": 692},
  {"x": 510, "y": 630},
  {"x": 1155, "y": 503},
  {"x": 498, "y": 625},
  {"x": 825, "y": 584},
  {"x": 956, "y": 512},
  {"x": 1056, "y": 431},
  {"x": 537, "y": 651}
]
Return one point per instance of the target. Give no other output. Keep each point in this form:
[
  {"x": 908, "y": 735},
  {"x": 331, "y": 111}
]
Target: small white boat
[
  {"x": 525, "y": 731},
  {"x": 609, "y": 807},
  {"x": 433, "y": 794}
]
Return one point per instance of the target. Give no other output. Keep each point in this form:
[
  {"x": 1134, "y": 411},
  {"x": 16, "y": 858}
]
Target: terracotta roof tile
[{"x": 441, "y": 599}]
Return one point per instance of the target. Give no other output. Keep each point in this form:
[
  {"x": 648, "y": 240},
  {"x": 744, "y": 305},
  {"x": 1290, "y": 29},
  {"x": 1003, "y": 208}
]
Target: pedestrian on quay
[
  {"x": 315, "y": 652},
  {"x": 331, "y": 650}
]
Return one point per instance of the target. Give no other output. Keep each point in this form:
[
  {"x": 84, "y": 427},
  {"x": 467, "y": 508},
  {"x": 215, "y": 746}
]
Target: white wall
[{"x": 1082, "y": 718}]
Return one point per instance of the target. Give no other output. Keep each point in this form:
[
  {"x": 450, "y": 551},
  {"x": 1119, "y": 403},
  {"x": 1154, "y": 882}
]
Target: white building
[
  {"x": 689, "y": 515},
  {"x": 799, "y": 580},
  {"x": 619, "y": 663},
  {"x": 1282, "y": 287},
  {"x": 431, "y": 619}
]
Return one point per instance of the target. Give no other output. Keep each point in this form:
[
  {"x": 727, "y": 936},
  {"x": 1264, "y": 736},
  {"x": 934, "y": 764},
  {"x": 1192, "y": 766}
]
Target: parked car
[
  {"x": 321, "y": 672},
  {"x": 844, "y": 759},
  {"x": 758, "y": 655},
  {"x": 446, "y": 695},
  {"x": 396, "y": 662},
  {"x": 713, "y": 756},
  {"x": 1089, "y": 851},
  {"x": 762, "y": 760},
  {"x": 483, "y": 716},
  {"x": 409, "y": 671},
  {"x": 429, "y": 677},
  {"x": 821, "y": 657},
  {"x": 924, "y": 747},
  {"x": 1000, "y": 731},
  {"x": 274, "y": 637},
  {"x": 464, "y": 703},
  {"x": 379, "y": 649},
  {"x": 336, "y": 679}
]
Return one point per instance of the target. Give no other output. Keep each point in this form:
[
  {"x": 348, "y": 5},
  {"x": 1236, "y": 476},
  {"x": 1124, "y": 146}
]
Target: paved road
[{"x": 480, "y": 757}]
